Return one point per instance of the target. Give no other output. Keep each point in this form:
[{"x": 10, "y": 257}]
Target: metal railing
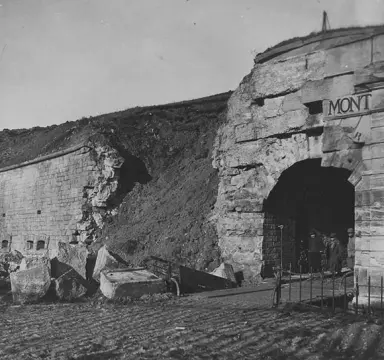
[{"x": 327, "y": 291}]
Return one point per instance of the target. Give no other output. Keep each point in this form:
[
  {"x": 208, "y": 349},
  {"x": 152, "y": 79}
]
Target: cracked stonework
[{"x": 97, "y": 198}]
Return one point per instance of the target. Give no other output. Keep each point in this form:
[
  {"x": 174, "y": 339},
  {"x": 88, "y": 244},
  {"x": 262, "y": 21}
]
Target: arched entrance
[{"x": 306, "y": 196}]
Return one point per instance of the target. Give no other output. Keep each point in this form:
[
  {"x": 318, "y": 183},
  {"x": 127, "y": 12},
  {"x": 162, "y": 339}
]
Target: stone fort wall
[
  {"x": 58, "y": 198},
  {"x": 281, "y": 115}
]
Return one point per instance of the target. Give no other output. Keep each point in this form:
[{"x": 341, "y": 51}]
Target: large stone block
[
  {"x": 245, "y": 132},
  {"x": 373, "y": 151},
  {"x": 377, "y": 100},
  {"x": 130, "y": 283},
  {"x": 286, "y": 75},
  {"x": 377, "y": 165},
  {"x": 328, "y": 88},
  {"x": 371, "y": 74},
  {"x": 376, "y": 243},
  {"x": 378, "y": 48},
  {"x": 377, "y": 135},
  {"x": 335, "y": 138},
  {"x": 31, "y": 261},
  {"x": 377, "y": 120},
  {"x": 347, "y": 159},
  {"x": 348, "y": 57},
  {"x": 225, "y": 271},
  {"x": 72, "y": 256},
  {"x": 363, "y": 243},
  {"x": 362, "y": 258},
  {"x": 292, "y": 101},
  {"x": 376, "y": 259},
  {"x": 30, "y": 285},
  {"x": 363, "y": 227},
  {"x": 363, "y": 213},
  {"x": 105, "y": 260},
  {"x": 376, "y": 181},
  {"x": 70, "y": 286}
]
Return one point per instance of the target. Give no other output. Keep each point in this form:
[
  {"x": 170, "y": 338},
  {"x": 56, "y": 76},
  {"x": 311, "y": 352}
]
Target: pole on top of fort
[{"x": 326, "y": 25}]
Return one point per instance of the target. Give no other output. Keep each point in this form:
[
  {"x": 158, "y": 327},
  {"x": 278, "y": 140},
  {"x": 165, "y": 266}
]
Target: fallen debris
[
  {"x": 105, "y": 260},
  {"x": 132, "y": 283},
  {"x": 30, "y": 285},
  {"x": 225, "y": 271},
  {"x": 69, "y": 257},
  {"x": 10, "y": 261},
  {"x": 32, "y": 261},
  {"x": 70, "y": 286}
]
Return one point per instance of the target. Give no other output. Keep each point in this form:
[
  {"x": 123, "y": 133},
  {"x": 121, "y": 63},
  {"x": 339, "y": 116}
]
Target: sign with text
[{"x": 349, "y": 105}]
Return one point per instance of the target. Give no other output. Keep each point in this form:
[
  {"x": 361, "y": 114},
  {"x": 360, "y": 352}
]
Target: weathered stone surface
[
  {"x": 279, "y": 124},
  {"x": 70, "y": 286},
  {"x": 376, "y": 181},
  {"x": 105, "y": 260},
  {"x": 70, "y": 256},
  {"x": 335, "y": 138},
  {"x": 286, "y": 75},
  {"x": 371, "y": 74},
  {"x": 225, "y": 271},
  {"x": 293, "y": 101},
  {"x": 378, "y": 48},
  {"x": 377, "y": 100},
  {"x": 348, "y": 57},
  {"x": 269, "y": 129},
  {"x": 10, "y": 261},
  {"x": 30, "y": 261},
  {"x": 377, "y": 120},
  {"x": 130, "y": 283},
  {"x": 30, "y": 285},
  {"x": 329, "y": 88}
]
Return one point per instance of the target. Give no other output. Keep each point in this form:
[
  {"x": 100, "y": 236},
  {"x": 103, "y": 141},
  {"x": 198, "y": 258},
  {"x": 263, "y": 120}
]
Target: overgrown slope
[{"x": 168, "y": 148}]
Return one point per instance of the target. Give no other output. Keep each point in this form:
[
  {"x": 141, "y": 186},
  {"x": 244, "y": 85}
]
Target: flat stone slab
[{"x": 130, "y": 283}]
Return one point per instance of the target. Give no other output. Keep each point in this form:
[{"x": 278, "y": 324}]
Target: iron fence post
[
  {"x": 281, "y": 246},
  {"x": 310, "y": 287},
  {"x": 381, "y": 296},
  {"x": 300, "y": 286},
  {"x": 322, "y": 289},
  {"x": 357, "y": 295},
  {"x": 345, "y": 294},
  {"x": 290, "y": 279},
  {"x": 333, "y": 291},
  {"x": 369, "y": 295}
]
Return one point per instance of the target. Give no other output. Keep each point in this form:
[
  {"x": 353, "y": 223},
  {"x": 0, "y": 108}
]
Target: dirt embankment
[{"x": 168, "y": 185}]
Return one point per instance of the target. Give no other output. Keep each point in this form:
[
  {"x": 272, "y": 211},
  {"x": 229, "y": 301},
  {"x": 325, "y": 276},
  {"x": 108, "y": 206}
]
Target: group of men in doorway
[{"x": 328, "y": 253}]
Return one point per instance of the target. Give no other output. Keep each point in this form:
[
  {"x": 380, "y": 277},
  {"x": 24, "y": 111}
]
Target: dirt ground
[{"x": 241, "y": 326}]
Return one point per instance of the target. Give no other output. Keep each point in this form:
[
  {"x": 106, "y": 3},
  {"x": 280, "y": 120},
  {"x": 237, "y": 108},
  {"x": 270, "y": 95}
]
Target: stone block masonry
[
  {"x": 304, "y": 128},
  {"x": 57, "y": 198}
]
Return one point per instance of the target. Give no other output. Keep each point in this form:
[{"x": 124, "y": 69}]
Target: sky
[{"x": 61, "y": 60}]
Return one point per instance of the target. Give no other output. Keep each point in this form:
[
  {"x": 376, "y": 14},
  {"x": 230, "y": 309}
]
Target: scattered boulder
[
  {"x": 106, "y": 260},
  {"x": 132, "y": 283},
  {"x": 225, "y": 271},
  {"x": 70, "y": 286},
  {"x": 30, "y": 285},
  {"x": 10, "y": 261},
  {"x": 69, "y": 257}
]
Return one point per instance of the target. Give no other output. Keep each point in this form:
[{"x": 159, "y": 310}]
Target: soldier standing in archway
[
  {"x": 335, "y": 252},
  {"x": 315, "y": 248}
]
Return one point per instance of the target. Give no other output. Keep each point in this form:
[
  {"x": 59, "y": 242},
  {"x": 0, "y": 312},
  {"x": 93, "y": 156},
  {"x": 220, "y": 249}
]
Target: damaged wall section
[{"x": 63, "y": 197}]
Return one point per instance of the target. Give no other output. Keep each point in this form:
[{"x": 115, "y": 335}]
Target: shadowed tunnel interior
[{"x": 306, "y": 196}]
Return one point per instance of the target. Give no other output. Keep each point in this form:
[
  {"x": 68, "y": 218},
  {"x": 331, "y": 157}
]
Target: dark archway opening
[{"x": 306, "y": 196}]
